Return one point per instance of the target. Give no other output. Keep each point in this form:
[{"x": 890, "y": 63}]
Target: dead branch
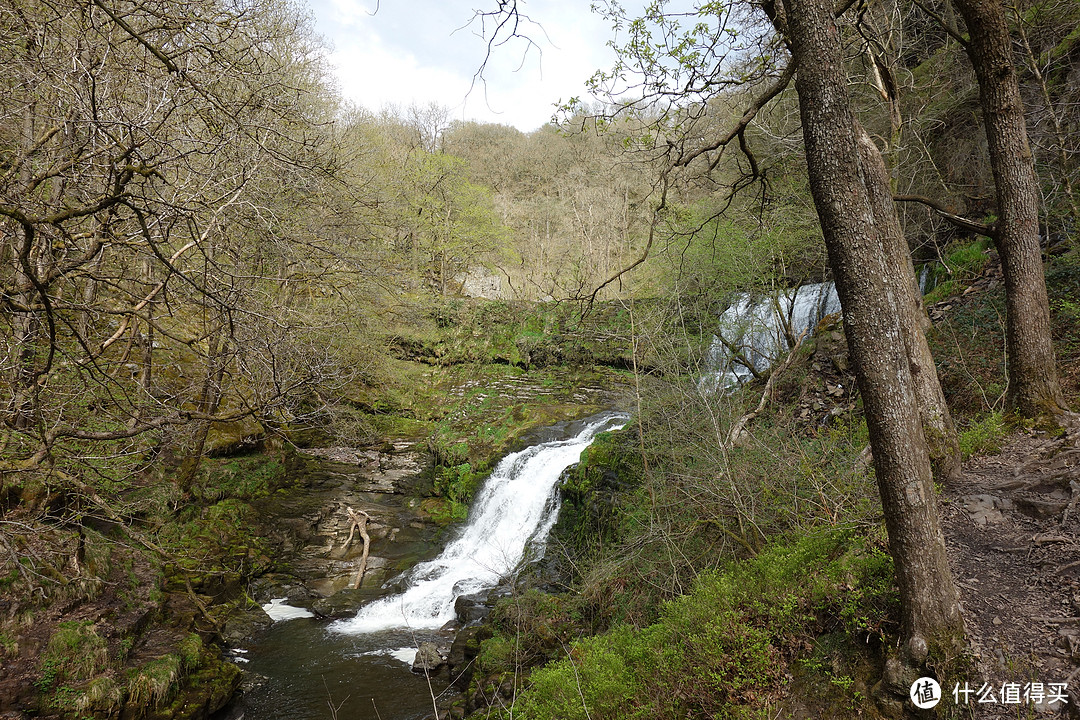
[
  {"x": 358, "y": 520},
  {"x": 738, "y": 430},
  {"x": 959, "y": 221}
]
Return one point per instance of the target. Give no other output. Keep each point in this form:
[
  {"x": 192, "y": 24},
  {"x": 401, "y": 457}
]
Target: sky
[{"x": 404, "y": 52}]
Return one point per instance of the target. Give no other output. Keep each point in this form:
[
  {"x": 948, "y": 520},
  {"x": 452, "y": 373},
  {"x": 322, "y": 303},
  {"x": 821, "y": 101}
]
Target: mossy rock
[
  {"x": 206, "y": 690},
  {"x": 235, "y": 437}
]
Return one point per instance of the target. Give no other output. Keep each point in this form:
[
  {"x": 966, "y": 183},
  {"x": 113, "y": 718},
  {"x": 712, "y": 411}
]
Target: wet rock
[
  {"x": 344, "y": 603},
  {"x": 463, "y": 653},
  {"x": 329, "y": 577},
  {"x": 277, "y": 585},
  {"x": 471, "y": 609},
  {"x": 427, "y": 660},
  {"x": 244, "y": 623}
]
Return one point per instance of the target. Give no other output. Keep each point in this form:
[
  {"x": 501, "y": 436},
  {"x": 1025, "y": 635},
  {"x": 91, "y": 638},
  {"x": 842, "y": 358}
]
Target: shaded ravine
[{"x": 360, "y": 667}]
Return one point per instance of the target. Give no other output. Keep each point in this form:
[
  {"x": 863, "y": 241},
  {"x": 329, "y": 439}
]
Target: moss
[
  {"x": 722, "y": 650},
  {"x": 204, "y": 691},
  {"x": 155, "y": 682},
  {"x": 75, "y": 652}
]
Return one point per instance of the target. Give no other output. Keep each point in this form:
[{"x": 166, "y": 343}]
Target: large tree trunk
[
  {"x": 930, "y": 609},
  {"x": 1033, "y": 381},
  {"x": 937, "y": 423}
]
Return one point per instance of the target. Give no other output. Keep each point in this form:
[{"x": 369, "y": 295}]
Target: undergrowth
[{"x": 722, "y": 649}]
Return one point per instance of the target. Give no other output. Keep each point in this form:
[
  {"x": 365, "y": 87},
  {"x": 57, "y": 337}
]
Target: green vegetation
[
  {"x": 961, "y": 264},
  {"x": 196, "y": 285},
  {"x": 242, "y": 478},
  {"x": 984, "y": 435},
  {"x": 75, "y": 653},
  {"x": 156, "y": 681},
  {"x": 719, "y": 650}
]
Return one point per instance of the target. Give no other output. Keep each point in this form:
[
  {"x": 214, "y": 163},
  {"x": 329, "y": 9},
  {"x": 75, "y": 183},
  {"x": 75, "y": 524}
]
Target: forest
[{"x": 237, "y": 307}]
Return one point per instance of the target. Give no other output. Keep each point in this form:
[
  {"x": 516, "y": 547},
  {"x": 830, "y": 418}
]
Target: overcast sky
[{"x": 419, "y": 51}]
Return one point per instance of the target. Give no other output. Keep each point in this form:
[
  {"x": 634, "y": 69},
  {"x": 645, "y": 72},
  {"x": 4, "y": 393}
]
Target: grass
[
  {"x": 156, "y": 681},
  {"x": 75, "y": 652},
  {"x": 721, "y": 650},
  {"x": 961, "y": 263}
]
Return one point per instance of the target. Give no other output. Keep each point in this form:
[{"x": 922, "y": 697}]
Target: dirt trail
[{"x": 1012, "y": 526}]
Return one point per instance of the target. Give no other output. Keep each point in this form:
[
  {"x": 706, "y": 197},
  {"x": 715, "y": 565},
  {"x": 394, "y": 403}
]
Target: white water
[
  {"x": 278, "y": 609},
  {"x": 754, "y": 325},
  {"x": 513, "y": 513}
]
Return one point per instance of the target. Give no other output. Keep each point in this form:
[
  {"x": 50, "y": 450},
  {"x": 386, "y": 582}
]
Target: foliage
[
  {"x": 721, "y": 649},
  {"x": 984, "y": 436},
  {"x": 529, "y": 628},
  {"x": 243, "y": 478},
  {"x": 968, "y": 344},
  {"x": 156, "y": 681},
  {"x": 962, "y": 263}
]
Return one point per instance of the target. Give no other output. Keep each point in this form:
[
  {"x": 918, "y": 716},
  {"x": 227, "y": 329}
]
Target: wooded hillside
[{"x": 210, "y": 260}]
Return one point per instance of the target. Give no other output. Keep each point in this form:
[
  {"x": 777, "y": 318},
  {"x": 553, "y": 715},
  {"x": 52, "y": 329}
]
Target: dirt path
[{"x": 1012, "y": 526}]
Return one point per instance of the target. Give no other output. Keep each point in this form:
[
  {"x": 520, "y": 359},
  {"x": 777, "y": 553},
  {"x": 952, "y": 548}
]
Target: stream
[{"x": 360, "y": 667}]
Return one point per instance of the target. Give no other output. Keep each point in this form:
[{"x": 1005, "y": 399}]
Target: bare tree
[
  {"x": 1034, "y": 390},
  {"x": 144, "y": 202}
]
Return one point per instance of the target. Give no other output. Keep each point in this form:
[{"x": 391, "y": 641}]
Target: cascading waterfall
[
  {"x": 755, "y": 327},
  {"x": 514, "y": 511}
]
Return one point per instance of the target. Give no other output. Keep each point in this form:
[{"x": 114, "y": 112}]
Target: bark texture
[
  {"x": 1034, "y": 390},
  {"x": 937, "y": 422},
  {"x": 930, "y": 609}
]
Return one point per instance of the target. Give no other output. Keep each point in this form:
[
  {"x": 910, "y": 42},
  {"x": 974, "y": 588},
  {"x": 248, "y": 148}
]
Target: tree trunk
[
  {"x": 931, "y": 617},
  {"x": 1033, "y": 381},
  {"x": 937, "y": 423}
]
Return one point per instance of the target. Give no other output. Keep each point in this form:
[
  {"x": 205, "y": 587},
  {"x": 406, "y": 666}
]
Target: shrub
[
  {"x": 720, "y": 651},
  {"x": 984, "y": 435}
]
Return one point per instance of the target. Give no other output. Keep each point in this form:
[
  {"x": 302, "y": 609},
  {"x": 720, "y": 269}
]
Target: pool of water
[{"x": 315, "y": 674}]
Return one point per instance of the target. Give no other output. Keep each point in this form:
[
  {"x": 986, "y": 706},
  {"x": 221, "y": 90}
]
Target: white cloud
[{"x": 419, "y": 51}]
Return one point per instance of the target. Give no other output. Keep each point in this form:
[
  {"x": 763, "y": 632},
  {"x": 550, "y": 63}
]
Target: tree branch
[{"x": 959, "y": 221}]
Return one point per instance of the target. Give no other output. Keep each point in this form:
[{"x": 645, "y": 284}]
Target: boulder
[
  {"x": 472, "y": 609},
  {"x": 243, "y": 623},
  {"x": 428, "y": 661},
  {"x": 344, "y": 603}
]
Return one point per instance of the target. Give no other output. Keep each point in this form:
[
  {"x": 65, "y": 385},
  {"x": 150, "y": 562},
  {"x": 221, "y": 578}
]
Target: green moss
[
  {"x": 75, "y": 653},
  {"x": 720, "y": 650}
]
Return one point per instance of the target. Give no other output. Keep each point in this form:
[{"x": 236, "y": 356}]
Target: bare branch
[{"x": 959, "y": 221}]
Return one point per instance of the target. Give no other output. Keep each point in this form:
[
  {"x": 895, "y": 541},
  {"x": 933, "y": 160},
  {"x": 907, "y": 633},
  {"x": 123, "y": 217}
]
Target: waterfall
[
  {"x": 511, "y": 517},
  {"x": 755, "y": 327},
  {"x": 926, "y": 278}
]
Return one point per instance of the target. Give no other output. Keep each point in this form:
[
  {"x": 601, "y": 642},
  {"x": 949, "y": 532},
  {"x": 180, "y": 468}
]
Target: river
[{"x": 360, "y": 667}]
